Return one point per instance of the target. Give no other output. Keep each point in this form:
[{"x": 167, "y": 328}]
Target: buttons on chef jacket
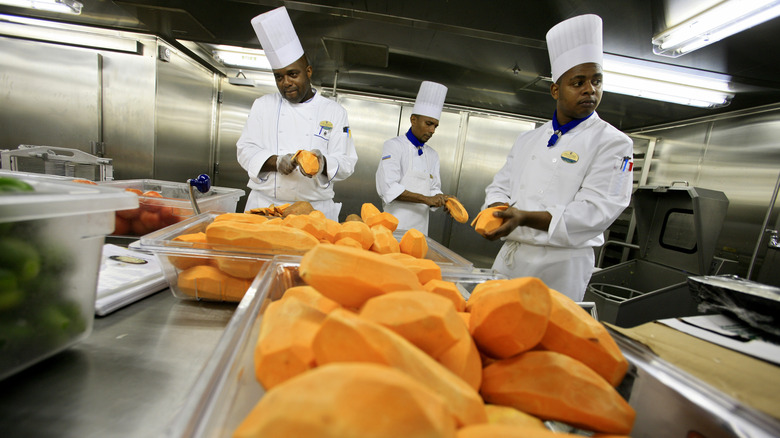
[{"x": 555, "y": 160}]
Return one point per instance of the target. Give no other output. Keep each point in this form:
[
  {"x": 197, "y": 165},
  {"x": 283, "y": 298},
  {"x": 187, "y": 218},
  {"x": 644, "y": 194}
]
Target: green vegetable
[
  {"x": 19, "y": 257},
  {"x": 13, "y": 185}
]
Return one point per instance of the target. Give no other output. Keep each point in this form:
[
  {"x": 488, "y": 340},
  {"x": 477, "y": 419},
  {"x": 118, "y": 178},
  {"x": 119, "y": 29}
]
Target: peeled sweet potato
[
  {"x": 384, "y": 241},
  {"x": 297, "y": 207},
  {"x": 367, "y": 211},
  {"x": 447, "y": 289},
  {"x": 554, "y": 386},
  {"x": 479, "y": 289},
  {"x": 414, "y": 243},
  {"x": 346, "y": 337},
  {"x": 508, "y": 415},
  {"x": 426, "y": 320},
  {"x": 353, "y": 218},
  {"x": 209, "y": 283},
  {"x": 241, "y": 217},
  {"x": 307, "y": 161},
  {"x": 456, "y": 210},
  {"x": 331, "y": 229},
  {"x": 350, "y": 276},
  {"x": 358, "y": 231},
  {"x": 573, "y": 332},
  {"x": 306, "y": 222},
  {"x": 511, "y": 317},
  {"x": 198, "y": 240},
  {"x": 259, "y": 236},
  {"x": 485, "y": 222},
  {"x": 425, "y": 269},
  {"x": 384, "y": 219},
  {"x": 312, "y": 297},
  {"x": 509, "y": 431},
  {"x": 463, "y": 358},
  {"x": 349, "y": 400},
  {"x": 348, "y": 241}
]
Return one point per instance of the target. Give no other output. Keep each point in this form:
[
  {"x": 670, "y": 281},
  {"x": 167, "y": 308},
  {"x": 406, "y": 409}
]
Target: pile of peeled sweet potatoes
[{"x": 370, "y": 347}]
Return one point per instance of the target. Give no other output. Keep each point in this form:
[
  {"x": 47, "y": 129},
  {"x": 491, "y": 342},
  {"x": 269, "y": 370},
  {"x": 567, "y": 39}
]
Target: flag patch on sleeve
[{"x": 386, "y": 157}]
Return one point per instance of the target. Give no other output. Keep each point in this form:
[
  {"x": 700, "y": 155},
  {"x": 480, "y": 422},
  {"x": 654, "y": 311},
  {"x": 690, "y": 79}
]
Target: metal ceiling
[{"x": 491, "y": 54}]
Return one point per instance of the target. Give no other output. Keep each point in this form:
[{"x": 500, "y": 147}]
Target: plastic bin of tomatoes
[{"x": 164, "y": 203}]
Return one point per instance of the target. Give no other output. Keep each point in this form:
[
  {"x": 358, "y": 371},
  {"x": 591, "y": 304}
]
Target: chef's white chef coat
[
  {"x": 277, "y": 127},
  {"x": 584, "y": 181},
  {"x": 402, "y": 168}
]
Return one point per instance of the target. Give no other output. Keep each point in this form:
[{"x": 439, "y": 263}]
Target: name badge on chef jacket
[
  {"x": 570, "y": 157},
  {"x": 325, "y": 128}
]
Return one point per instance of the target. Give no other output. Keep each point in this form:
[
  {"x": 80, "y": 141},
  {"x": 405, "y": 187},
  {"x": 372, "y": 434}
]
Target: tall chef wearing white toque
[
  {"x": 568, "y": 180},
  {"x": 408, "y": 179},
  {"x": 298, "y": 117}
]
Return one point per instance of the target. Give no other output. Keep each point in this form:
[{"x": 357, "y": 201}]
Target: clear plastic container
[
  {"x": 176, "y": 256},
  {"x": 228, "y": 390},
  {"x": 154, "y": 213},
  {"x": 51, "y": 241}
]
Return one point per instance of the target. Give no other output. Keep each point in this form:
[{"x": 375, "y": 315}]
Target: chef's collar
[
  {"x": 415, "y": 141},
  {"x": 563, "y": 129}
]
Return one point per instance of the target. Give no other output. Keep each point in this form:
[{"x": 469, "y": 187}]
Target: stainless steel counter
[{"x": 126, "y": 379}]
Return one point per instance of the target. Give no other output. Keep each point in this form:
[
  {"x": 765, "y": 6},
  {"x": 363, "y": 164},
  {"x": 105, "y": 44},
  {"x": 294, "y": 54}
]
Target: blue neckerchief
[
  {"x": 560, "y": 130},
  {"x": 415, "y": 141}
]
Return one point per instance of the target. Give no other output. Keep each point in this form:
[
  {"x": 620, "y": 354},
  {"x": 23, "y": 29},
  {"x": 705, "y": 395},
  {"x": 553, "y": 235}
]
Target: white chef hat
[
  {"x": 430, "y": 100},
  {"x": 277, "y": 35},
  {"x": 575, "y": 41}
]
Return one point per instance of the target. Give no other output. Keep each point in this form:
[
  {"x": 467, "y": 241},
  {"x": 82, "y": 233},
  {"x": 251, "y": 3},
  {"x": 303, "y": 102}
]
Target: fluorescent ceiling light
[
  {"x": 61, "y": 33},
  {"x": 63, "y": 6},
  {"x": 665, "y": 83},
  {"x": 241, "y": 57},
  {"x": 720, "y": 21}
]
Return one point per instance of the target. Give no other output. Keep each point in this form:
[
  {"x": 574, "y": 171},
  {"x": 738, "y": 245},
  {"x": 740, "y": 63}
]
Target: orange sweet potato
[
  {"x": 345, "y": 400},
  {"x": 350, "y": 276},
  {"x": 509, "y": 431},
  {"x": 498, "y": 414},
  {"x": 209, "y": 283},
  {"x": 485, "y": 222},
  {"x": 367, "y": 211},
  {"x": 553, "y": 386},
  {"x": 198, "y": 240},
  {"x": 573, "y": 332},
  {"x": 425, "y": 269},
  {"x": 358, "y": 231},
  {"x": 346, "y": 337},
  {"x": 456, "y": 210},
  {"x": 284, "y": 345},
  {"x": 306, "y": 222},
  {"x": 414, "y": 243},
  {"x": 331, "y": 229},
  {"x": 312, "y": 297},
  {"x": 479, "y": 289},
  {"x": 463, "y": 358},
  {"x": 384, "y": 219},
  {"x": 241, "y": 217},
  {"x": 510, "y": 318},
  {"x": 348, "y": 241},
  {"x": 447, "y": 289},
  {"x": 384, "y": 241},
  {"x": 307, "y": 161},
  {"x": 426, "y": 320}
]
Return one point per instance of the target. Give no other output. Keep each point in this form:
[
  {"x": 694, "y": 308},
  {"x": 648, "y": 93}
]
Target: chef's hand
[
  {"x": 512, "y": 219},
  {"x": 320, "y": 161},
  {"x": 437, "y": 200},
  {"x": 284, "y": 164}
]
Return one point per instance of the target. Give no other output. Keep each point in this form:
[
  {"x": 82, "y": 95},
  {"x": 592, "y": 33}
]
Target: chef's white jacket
[
  {"x": 402, "y": 168},
  {"x": 277, "y": 127},
  {"x": 584, "y": 181}
]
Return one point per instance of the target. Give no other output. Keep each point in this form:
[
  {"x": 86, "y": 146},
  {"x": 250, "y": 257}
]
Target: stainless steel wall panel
[
  {"x": 372, "y": 122},
  {"x": 445, "y": 142},
  {"x": 48, "y": 95},
  {"x": 488, "y": 141},
  {"x": 233, "y": 113},
  {"x": 184, "y": 130},
  {"x": 128, "y": 112}
]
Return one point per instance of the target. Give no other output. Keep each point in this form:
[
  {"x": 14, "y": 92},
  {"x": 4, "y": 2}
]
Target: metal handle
[
  {"x": 774, "y": 239},
  {"x": 613, "y": 242},
  {"x": 203, "y": 184},
  {"x": 681, "y": 182}
]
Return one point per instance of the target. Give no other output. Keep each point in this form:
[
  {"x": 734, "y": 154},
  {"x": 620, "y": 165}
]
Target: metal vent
[{"x": 346, "y": 52}]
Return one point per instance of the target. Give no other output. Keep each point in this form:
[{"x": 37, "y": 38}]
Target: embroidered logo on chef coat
[
  {"x": 325, "y": 128},
  {"x": 570, "y": 157}
]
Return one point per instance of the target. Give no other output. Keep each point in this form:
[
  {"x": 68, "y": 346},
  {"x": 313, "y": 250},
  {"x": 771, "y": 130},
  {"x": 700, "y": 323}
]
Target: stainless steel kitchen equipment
[
  {"x": 678, "y": 227},
  {"x": 52, "y": 160}
]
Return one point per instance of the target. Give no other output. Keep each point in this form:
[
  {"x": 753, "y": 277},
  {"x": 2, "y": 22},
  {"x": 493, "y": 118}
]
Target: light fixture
[
  {"x": 666, "y": 83},
  {"x": 720, "y": 21},
  {"x": 63, "y": 6},
  {"x": 242, "y": 81},
  {"x": 241, "y": 57},
  {"x": 66, "y": 34}
]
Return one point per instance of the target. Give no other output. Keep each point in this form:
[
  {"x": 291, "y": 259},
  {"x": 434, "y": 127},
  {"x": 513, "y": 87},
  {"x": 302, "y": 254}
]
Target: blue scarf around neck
[{"x": 563, "y": 129}]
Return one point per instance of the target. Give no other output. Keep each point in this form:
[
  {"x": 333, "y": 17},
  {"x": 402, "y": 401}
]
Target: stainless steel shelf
[{"x": 128, "y": 378}]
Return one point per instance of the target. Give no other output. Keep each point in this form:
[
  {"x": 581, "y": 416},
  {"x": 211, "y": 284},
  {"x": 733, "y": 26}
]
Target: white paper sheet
[{"x": 126, "y": 276}]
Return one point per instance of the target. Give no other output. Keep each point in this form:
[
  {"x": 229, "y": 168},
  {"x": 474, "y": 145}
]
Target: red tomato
[
  {"x": 151, "y": 220},
  {"x": 121, "y": 226}
]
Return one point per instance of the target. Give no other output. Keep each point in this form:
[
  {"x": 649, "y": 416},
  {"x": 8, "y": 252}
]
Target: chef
[
  {"x": 408, "y": 179},
  {"x": 568, "y": 180},
  {"x": 297, "y": 117}
]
